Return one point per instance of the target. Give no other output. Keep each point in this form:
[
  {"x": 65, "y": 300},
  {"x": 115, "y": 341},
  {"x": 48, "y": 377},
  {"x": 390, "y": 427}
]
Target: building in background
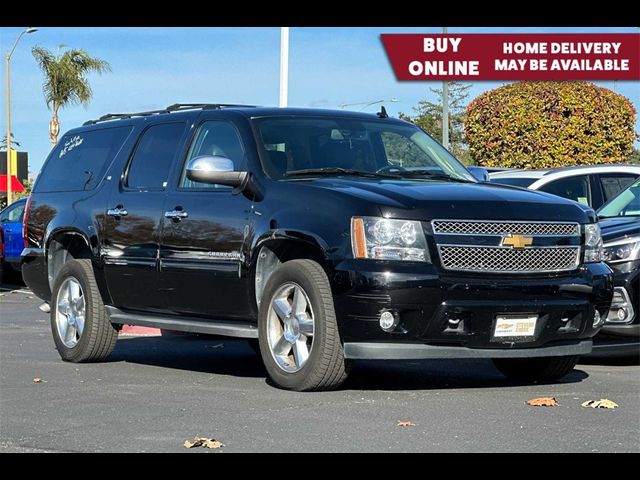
[{"x": 19, "y": 165}]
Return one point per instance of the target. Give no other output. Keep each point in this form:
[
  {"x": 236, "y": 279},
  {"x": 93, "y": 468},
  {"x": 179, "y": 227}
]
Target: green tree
[
  {"x": 549, "y": 125},
  {"x": 428, "y": 116},
  {"x": 28, "y": 185},
  {"x": 65, "y": 80},
  {"x": 14, "y": 143}
]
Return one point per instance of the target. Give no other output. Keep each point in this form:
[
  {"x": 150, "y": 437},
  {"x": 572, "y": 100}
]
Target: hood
[
  {"x": 426, "y": 200},
  {"x": 619, "y": 228}
]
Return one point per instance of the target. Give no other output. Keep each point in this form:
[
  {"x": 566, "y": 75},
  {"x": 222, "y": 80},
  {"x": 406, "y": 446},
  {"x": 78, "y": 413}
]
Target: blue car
[{"x": 11, "y": 223}]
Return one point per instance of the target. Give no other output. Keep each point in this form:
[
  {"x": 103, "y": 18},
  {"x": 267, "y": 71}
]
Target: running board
[{"x": 183, "y": 324}]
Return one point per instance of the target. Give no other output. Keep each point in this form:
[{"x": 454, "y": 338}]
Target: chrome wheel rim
[
  {"x": 70, "y": 312},
  {"x": 290, "y": 327}
]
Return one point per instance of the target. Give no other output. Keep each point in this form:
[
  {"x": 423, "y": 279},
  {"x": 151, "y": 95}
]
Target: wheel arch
[
  {"x": 63, "y": 245},
  {"x": 275, "y": 248}
]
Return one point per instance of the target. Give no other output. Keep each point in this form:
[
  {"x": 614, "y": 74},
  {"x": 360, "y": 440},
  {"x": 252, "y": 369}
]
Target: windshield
[
  {"x": 513, "y": 181},
  {"x": 626, "y": 204},
  {"x": 312, "y": 146}
]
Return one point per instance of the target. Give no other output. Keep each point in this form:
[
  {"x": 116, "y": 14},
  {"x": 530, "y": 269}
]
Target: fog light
[
  {"x": 621, "y": 307},
  {"x": 597, "y": 319},
  {"x": 388, "y": 321}
]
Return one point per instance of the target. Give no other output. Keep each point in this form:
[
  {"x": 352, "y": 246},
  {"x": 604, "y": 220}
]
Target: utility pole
[
  {"x": 284, "y": 66},
  {"x": 8, "y": 59},
  {"x": 445, "y": 109}
]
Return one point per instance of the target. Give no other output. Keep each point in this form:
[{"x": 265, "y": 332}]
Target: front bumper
[
  {"x": 413, "y": 351},
  {"x": 459, "y": 311}
]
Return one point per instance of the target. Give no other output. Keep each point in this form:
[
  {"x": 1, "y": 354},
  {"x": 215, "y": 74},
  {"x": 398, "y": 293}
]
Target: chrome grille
[
  {"x": 467, "y": 227},
  {"x": 505, "y": 260}
]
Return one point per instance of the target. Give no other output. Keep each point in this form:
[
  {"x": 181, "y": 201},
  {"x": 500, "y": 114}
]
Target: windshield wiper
[
  {"x": 338, "y": 171},
  {"x": 432, "y": 174}
]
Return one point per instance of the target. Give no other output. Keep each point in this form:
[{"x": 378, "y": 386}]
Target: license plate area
[{"x": 521, "y": 327}]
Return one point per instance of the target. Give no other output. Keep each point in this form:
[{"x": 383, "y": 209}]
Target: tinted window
[
  {"x": 151, "y": 162},
  {"x": 295, "y": 145},
  {"x": 515, "y": 181},
  {"x": 13, "y": 214},
  {"x": 217, "y": 139},
  {"x": 614, "y": 183},
  {"x": 80, "y": 160},
  {"x": 403, "y": 152},
  {"x": 573, "y": 188}
]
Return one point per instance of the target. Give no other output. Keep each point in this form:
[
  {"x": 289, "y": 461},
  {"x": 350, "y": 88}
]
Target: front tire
[
  {"x": 543, "y": 369},
  {"x": 79, "y": 322},
  {"x": 299, "y": 339}
]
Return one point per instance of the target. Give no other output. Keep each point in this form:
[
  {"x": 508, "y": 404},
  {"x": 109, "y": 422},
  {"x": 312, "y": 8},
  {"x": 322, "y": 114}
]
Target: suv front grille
[
  {"x": 482, "y": 227},
  {"x": 505, "y": 260},
  {"x": 482, "y": 246}
]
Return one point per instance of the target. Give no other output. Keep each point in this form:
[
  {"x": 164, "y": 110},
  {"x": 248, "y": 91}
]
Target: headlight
[
  {"x": 593, "y": 243},
  {"x": 386, "y": 239},
  {"x": 624, "y": 250}
]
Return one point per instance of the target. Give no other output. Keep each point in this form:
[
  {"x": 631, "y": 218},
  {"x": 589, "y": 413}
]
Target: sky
[{"x": 153, "y": 67}]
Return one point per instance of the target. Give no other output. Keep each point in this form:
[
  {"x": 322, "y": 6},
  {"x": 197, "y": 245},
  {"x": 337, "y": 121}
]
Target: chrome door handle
[
  {"x": 117, "y": 212},
  {"x": 176, "y": 214}
]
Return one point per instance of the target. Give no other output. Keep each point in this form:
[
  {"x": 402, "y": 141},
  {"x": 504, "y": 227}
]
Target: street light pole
[
  {"x": 8, "y": 59},
  {"x": 284, "y": 66},
  {"x": 445, "y": 109}
]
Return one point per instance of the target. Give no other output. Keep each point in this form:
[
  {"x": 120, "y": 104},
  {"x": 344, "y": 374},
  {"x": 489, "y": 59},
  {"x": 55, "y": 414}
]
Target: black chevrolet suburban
[{"x": 321, "y": 236}]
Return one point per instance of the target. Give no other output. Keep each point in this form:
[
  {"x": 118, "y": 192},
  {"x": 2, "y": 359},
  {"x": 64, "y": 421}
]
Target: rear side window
[
  {"x": 151, "y": 163},
  {"x": 613, "y": 183},
  {"x": 573, "y": 188},
  {"x": 80, "y": 160}
]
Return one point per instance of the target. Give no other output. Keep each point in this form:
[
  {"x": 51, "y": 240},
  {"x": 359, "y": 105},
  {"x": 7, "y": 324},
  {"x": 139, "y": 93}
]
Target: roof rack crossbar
[{"x": 176, "y": 107}]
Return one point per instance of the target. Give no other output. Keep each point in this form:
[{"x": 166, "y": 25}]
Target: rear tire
[
  {"x": 536, "y": 369},
  {"x": 79, "y": 322},
  {"x": 299, "y": 339}
]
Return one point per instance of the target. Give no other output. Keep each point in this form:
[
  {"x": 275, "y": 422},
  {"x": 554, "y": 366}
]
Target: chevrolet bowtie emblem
[{"x": 516, "y": 241}]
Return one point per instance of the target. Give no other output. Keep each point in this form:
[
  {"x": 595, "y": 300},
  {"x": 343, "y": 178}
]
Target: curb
[{"x": 138, "y": 331}]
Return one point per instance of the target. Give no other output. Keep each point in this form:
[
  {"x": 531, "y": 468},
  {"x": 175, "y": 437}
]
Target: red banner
[{"x": 478, "y": 56}]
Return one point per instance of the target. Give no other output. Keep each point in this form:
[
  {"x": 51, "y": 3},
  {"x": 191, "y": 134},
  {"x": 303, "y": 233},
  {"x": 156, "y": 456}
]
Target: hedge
[{"x": 548, "y": 125}]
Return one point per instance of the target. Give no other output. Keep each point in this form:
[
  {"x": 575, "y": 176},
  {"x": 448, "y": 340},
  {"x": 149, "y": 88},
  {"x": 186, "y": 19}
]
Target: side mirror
[
  {"x": 479, "y": 173},
  {"x": 215, "y": 170}
]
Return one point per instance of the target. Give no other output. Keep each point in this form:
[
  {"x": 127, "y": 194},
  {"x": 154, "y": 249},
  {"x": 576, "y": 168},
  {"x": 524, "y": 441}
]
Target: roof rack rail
[{"x": 176, "y": 107}]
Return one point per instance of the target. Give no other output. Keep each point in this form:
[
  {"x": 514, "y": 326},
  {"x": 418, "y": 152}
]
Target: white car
[{"x": 591, "y": 185}]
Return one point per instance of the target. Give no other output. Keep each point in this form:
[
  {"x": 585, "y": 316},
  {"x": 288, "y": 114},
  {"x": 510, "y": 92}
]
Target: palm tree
[
  {"x": 14, "y": 143},
  {"x": 65, "y": 80}
]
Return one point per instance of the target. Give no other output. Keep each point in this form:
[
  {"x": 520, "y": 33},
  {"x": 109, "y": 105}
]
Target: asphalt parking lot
[{"x": 156, "y": 392}]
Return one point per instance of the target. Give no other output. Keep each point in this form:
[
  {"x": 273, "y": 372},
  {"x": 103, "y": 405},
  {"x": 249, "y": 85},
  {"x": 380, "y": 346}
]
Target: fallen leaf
[
  {"x": 212, "y": 443},
  {"x": 602, "y": 403},
  {"x": 543, "y": 402},
  {"x": 37, "y": 380},
  {"x": 202, "y": 442},
  {"x": 197, "y": 442},
  {"x": 406, "y": 424}
]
